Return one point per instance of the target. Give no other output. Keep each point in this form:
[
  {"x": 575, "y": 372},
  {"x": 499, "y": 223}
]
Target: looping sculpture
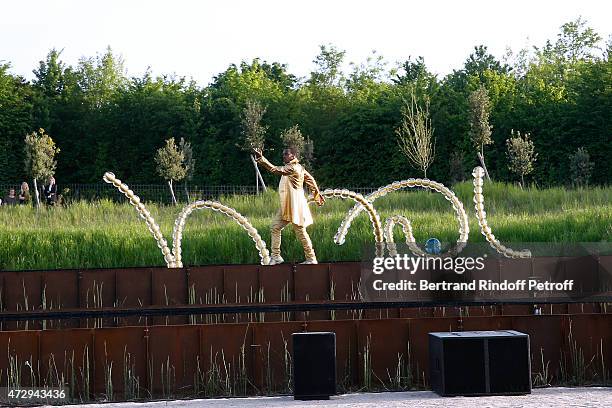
[
  {"x": 460, "y": 213},
  {"x": 481, "y": 215},
  {"x": 173, "y": 257}
]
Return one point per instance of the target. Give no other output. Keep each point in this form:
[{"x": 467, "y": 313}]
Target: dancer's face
[{"x": 288, "y": 156}]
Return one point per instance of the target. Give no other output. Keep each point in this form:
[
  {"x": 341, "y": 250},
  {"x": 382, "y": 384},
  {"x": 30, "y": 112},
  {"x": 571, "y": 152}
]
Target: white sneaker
[
  {"x": 275, "y": 260},
  {"x": 309, "y": 262}
]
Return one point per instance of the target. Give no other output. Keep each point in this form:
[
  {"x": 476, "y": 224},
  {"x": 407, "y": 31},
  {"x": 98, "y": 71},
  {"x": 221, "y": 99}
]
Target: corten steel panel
[
  {"x": 447, "y": 311},
  {"x": 240, "y": 285},
  {"x": 491, "y": 271},
  {"x": 388, "y": 276},
  {"x": 515, "y": 269},
  {"x": 226, "y": 342},
  {"x": 271, "y": 368},
  {"x": 97, "y": 289},
  {"x": 346, "y": 277},
  {"x": 169, "y": 287},
  {"x": 591, "y": 332},
  {"x": 380, "y": 314},
  {"x": 426, "y": 311},
  {"x": 22, "y": 291},
  {"x": 312, "y": 283},
  {"x": 409, "y": 312},
  {"x": 418, "y": 330},
  {"x": 558, "y": 309},
  {"x": 478, "y": 311},
  {"x": 545, "y": 336},
  {"x": 346, "y": 349},
  {"x": 68, "y": 353},
  {"x": 605, "y": 269},
  {"x": 126, "y": 349},
  {"x": 60, "y": 290},
  {"x": 547, "y": 266},
  {"x": 22, "y": 347},
  {"x": 517, "y": 310},
  {"x": 414, "y": 312},
  {"x": 385, "y": 341},
  {"x": 205, "y": 285},
  {"x": 584, "y": 270},
  {"x": 486, "y": 323},
  {"x": 175, "y": 352},
  {"x": 276, "y": 284},
  {"x": 577, "y": 308},
  {"x": 134, "y": 290}
]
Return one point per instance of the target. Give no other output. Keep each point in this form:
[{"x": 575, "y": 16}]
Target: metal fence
[{"x": 151, "y": 192}]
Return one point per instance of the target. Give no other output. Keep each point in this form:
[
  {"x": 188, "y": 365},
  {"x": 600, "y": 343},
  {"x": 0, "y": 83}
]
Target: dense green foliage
[
  {"x": 106, "y": 234},
  {"x": 560, "y": 93}
]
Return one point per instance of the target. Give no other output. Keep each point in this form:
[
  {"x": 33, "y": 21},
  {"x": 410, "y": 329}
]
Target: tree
[
  {"x": 521, "y": 154},
  {"x": 100, "y": 77},
  {"x": 188, "y": 160},
  {"x": 481, "y": 61},
  {"x": 480, "y": 130},
  {"x": 254, "y": 133},
  {"x": 304, "y": 147},
  {"x": 329, "y": 67},
  {"x": 171, "y": 164},
  {"x": 415, "y": 135},
  {"x": 40, "y": 162},
  {"x": 576, "y": 41},
  {"x": 581, "y": 167},
  {"x": 15, "y": 121}
]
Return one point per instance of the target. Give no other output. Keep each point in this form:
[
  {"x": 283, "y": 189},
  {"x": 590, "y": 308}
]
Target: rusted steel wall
[
  {"x": 255, "y": 358},
  {"x": 142, "y": 287}
]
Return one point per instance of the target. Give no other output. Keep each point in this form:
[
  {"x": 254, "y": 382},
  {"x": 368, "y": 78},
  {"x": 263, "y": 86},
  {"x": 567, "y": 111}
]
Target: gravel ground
[{"x": 543, "y": 397}]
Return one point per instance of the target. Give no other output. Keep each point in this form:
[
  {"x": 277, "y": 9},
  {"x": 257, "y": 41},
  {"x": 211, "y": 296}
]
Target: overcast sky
[{"x": 199, "y": 39}]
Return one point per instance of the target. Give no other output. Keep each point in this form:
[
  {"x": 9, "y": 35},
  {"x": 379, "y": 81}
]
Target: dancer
[{"x": 294, "y": 207}]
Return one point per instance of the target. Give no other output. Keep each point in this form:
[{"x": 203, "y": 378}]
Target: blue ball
[{"x": 433, "y": 246}]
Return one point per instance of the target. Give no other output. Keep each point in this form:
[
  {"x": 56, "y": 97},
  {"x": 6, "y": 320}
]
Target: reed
[{"x": 104, "y": 234}]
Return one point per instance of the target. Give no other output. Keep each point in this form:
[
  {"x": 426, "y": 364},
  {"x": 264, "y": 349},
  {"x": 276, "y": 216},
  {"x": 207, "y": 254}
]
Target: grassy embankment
[{"x": 105, "y": 234}]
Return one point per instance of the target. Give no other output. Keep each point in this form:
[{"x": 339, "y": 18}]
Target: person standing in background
[
  {"x": 24, "y": 194},
  {"x": 50, "y": 191},
  {"x": 10, "y": 199}
]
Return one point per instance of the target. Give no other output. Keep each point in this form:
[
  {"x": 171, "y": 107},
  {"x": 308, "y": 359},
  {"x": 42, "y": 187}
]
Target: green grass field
[{"x": 105, "y": 234}]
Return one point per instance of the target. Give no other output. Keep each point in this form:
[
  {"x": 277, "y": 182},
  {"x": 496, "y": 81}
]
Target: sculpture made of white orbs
[
  {"x": 460, "y": 214},
  {"x": 481, "y": 215},
  {"x": 173, "y": 258}
]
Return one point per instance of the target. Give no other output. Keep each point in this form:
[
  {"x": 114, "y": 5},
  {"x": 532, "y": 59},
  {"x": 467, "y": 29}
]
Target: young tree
[
  {"x": 304, "y": 147},
  {"x": 254, "y": 133},
  {"x": 521, "y": 154},
  {"x": 189, "y": 162},
  {"x": 581, "y": 166},
  {"x": 171, "y": 164},
  {"x": 415, "y": 135},
  {"x": 40, "y": 162},
  {"x": 480, "y": 130}
]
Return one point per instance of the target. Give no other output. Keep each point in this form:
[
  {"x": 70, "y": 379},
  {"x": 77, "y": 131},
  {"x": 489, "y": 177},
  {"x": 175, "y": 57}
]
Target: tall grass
[{"x": 107, "y": 234}]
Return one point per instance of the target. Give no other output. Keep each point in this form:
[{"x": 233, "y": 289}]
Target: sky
[{"x": 199, "y": 39}]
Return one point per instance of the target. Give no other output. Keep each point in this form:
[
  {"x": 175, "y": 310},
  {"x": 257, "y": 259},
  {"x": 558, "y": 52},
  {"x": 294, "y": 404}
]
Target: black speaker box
[
  {"x": 480, "y": 363},
  {"x": 314, "y": 365}
]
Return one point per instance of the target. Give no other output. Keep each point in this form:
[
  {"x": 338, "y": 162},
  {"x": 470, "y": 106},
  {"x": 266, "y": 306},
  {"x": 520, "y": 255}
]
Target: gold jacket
[{"x": 294, "y": 207}]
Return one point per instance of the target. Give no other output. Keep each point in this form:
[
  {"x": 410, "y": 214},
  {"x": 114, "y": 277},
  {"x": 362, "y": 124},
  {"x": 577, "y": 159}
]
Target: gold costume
[{"x": 293, "y": 205}]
